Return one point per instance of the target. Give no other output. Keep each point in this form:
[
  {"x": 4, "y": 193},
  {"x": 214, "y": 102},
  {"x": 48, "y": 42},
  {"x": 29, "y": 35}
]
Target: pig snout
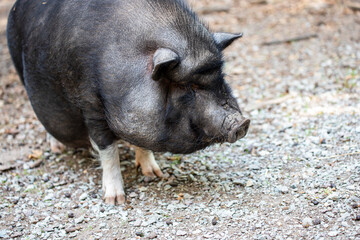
[{"x": 236, "y": 126}]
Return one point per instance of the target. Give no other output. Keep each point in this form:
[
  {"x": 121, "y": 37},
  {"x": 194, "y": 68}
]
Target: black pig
[{"x": 144, "y": 71}]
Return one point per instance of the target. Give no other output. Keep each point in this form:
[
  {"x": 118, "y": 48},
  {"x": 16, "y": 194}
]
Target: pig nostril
[
  {"x": 244, "y": 127},
  {"x": 239, "y": 132}
]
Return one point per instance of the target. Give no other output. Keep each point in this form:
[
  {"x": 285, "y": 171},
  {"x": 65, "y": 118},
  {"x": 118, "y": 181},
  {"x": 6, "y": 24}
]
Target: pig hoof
[
  {"x": 114, "y": 193},
  {"x": 119, "y": 199},
  {"x": 55, "y": 145},
  {"x": 145, "y": 159}
]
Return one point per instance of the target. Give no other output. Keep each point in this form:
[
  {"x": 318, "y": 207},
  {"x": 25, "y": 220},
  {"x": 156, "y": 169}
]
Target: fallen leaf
[
  {"x": 180, "y": 196},
  {"x": 36, "y": 154}
]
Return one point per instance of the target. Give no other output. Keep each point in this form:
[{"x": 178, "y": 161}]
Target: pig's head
[
  {"x": 184, "y": 104},
  {"x": 200, "y": 109}
]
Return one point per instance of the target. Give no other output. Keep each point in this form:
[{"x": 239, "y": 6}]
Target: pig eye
[{"x": 195, "y": 87}]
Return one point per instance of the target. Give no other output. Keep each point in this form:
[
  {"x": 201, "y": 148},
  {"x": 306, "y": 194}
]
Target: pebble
[
  {"x": 240, "y": 182},
  {"x": 167, "y": 187},
  {"x": 3, "y": 234},
  {"x": 214, "y": 221},
  {"x": 283, "y": 189},
  {"x": 181, "y": 233},
  {"x": 152, "y": 235},
  {"x": 83, "y": 196},
  {"x": 316, "y": 221},
  {"x": 79, "y": 220},
  {"x": 334, "y": 196},
  {"x": 250, "y": 183},
  {"x": 133, "y": 195},
  {"x": 333, "y": 233},
  {"x": 71, "y": 215},
  {"x": 315, "y": 202},
  {"x": 137, "y": 223},
  {"x": 306, "y": 222},
  {"x": 139, "y": 234},
  {"x": 354, "y": 205}
]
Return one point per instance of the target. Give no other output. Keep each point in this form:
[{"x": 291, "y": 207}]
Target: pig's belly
[{"x": 60, "y": 118}]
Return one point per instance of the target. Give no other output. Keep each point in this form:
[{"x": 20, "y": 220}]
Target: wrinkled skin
[{"x": 145, "y": 71}]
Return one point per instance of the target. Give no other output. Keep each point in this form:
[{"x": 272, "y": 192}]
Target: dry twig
[
  {"x": 340, "y": 155},
  {"x": 213, "y": 9},
  {"x": 289, "y": 40}
]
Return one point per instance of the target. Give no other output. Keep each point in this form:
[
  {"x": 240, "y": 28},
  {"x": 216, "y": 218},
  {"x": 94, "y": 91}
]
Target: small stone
[
  {"x": 83, "y": 196},
  {"x": 315, "y": 202},
  {"x": 250, "y": 183},
  {"x": 3, "y": 234},
  {"x": 239, "y": 181},
  {"x": 214, "y": 221},
  {"x": 332, "y": 185},
  {"x": 67, "y": 195},
  {"x": 334, "y": 196},
  {"x": 72, "y": 229},
  {"x": 70, "y": 214},
  {"x": 166, "y": 175},
  {"x": 133, "y": 195},
  {"x": 316, "y": 221},
  {"x": 102, "y": 209},
  {"x": 167, "y": 187},
  {"x": 46, "y": 178},
  {"x": 181, "y": 233},
  {"x": 283, "y": 189},
  {"x": 139, "y": 234},
  {"x": 152, "y": 235},
  {"x": 203, "y": 179},
  {"x": 169, "y": 222},
  {"x": 16, "y": 235},
  {"x": 152, "y": 219},
  {"x": 174, "y": 183},
  {"x": 354, "y": 205},
  {"x": 306, "y": 222},
  {"x": 357, "y": 218},
  {"x": 49, "y": 197},
  {"x": 143, "y": 189},
  {"x": 148, "y": 179},
  {"x": 15, "y": 201},
  {"x": 333, "y": 233},
  {"x": 79, "y": 220},
  {"x": 137, "y": 223}
]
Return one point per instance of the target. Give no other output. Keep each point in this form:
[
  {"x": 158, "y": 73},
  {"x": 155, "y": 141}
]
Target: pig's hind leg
[
  {"x": 112, "y": 181},
  {"x": 146, "y": 160},
  {"x": 55, "y": 145}
]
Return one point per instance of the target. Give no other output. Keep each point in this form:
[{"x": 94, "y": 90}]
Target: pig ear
[
  {"x": 223, "y": 40},
  {"x": 164, "y": 60}
]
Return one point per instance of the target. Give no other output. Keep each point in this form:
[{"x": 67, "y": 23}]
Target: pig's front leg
[
  {"x": 112, "y": 181},
  {"x": 146, "y": 160}
]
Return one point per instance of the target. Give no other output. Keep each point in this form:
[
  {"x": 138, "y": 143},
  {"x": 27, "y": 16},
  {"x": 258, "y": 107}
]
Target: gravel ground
[{"x": 296, "y": 175}]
